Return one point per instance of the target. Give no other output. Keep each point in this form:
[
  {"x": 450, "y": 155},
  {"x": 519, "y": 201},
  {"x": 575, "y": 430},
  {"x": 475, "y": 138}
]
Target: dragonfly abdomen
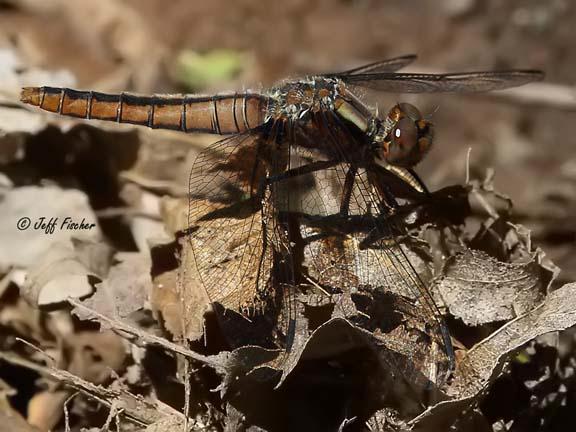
[{"x": 218, "y": 114}]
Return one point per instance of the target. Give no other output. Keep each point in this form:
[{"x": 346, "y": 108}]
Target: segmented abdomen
[{"x": 218, "y": 114}]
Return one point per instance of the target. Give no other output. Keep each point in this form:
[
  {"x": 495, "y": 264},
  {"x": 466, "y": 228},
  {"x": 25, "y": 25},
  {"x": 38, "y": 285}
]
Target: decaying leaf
[
  {"x": 358, "y": 371},
  {"x": 36, "y": 228},
  {"x": 177, "y": 298},
  {"x": 94, "y": 356},
  {"x": 59, "y": 275},
  {"x": 238, "y": 266},
  {"x": 478, "y": 289},
  {"x": 14, "y": 422},
  {"x": 484, "y": 362},
  {"x": 169, "y": 423},
  {"x": 45, "y": 408},
  {"x": 125, "y": 289},
  {"x": 556, "y": 312}
]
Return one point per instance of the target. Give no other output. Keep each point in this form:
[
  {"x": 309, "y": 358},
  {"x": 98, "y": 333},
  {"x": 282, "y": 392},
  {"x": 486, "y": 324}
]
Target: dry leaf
[
  {"x": 94, "y": 355},
  {"x": 177, "y": 298},
  {"x": 46, "y": 408},
  {"x": 36, "y": 228},
  {"x": 125, "y": 289},
  {"x": 484, "y": 362},
  {"x": 15, "y": 423},
  {"x": 479, "y": 289},
  {"x": 58, "y": 275}
]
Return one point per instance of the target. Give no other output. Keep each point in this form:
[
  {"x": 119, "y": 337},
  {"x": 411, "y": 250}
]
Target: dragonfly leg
[
  {"x": 347, "y": 190},
  {"x": 448, "y": 344},
  {"x": 389, "y": 204},
  {"x": 418, "y": 180},
  {"x": 293, "y": 172}
]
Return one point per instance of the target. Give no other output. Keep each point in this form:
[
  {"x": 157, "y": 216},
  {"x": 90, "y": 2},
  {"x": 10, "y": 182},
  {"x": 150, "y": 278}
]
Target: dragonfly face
[{"x": 404, "y": 138}]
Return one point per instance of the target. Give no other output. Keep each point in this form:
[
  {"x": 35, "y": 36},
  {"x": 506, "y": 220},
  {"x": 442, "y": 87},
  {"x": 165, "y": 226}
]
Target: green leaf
[{"x": 196, "y": 71}]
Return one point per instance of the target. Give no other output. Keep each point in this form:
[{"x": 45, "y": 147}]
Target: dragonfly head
[{"x": 406, "y": 136}]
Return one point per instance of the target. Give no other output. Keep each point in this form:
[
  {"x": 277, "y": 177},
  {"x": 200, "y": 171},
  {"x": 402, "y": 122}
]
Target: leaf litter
[
  {"x": 89, "y": 312},
  {"x": 501, "y": 291}
]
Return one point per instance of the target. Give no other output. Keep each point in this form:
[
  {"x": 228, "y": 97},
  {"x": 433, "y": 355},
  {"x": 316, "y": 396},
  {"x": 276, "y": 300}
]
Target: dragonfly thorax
[{"x": 296, "y": 100}]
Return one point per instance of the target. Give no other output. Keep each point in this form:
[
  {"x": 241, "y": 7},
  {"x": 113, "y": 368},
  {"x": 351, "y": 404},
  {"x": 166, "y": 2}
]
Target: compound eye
[
  {"x": 410, "y": 111},
  {"x": 403, "y": 139}
]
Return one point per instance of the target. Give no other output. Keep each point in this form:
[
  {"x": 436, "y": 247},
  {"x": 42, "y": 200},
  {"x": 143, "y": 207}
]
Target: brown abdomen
[{"x": 218, "y": 114}]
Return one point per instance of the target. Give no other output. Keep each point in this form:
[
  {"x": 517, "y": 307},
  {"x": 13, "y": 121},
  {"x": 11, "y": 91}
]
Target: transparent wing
[
  {"x": 365, "y": 256},
  {"x": 388, "y": 65},
  {"x": 432, "y": 83},
  {"x": 317, "y": 218},
  {"x": 349, "y": 237},
  {"x": 226, "y": 221},
  {"x": 239, "y": 241}
]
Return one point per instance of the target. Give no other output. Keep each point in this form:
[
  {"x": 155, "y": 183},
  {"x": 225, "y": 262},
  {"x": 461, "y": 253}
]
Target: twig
[
  {"x": 187, "y": 392},
  {"x": 468, "y": 153},
  {"x": 136, "y": 410},
  {"x": 66, "y": 413},
  {"x": 38, "y": 350},
  {"x": 147, "y": 337},
  {"x": 111, "y": 415}
]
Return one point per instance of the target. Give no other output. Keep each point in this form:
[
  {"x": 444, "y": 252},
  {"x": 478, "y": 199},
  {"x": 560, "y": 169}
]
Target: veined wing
[
  {"x": 238, "y": 239},
  {"x": 452, "y": 82},
  {"x": 352, "y": 248},
  {"x": 388, "y": 65},
  {"x": 225, "y": 221},
  {"x": 360, "y": 252}
]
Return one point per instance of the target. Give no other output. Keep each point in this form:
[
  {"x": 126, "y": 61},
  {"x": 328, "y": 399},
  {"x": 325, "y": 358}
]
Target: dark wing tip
[
  {"x": 529, "y": 74},
  {"x": 521, "y": 77},
  {"x": 409, "y": 57},
  {"x": 536, "y": 75}
]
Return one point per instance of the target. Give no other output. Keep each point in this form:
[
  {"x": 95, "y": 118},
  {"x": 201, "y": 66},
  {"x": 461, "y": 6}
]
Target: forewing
[
  {"x": 388, "y": 65},
  {"x": 433, "y": 83}
]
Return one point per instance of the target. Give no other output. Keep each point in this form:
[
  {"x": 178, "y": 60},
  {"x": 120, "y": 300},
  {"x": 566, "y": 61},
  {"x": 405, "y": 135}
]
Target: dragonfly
[{"x": 306, "y": 187}]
